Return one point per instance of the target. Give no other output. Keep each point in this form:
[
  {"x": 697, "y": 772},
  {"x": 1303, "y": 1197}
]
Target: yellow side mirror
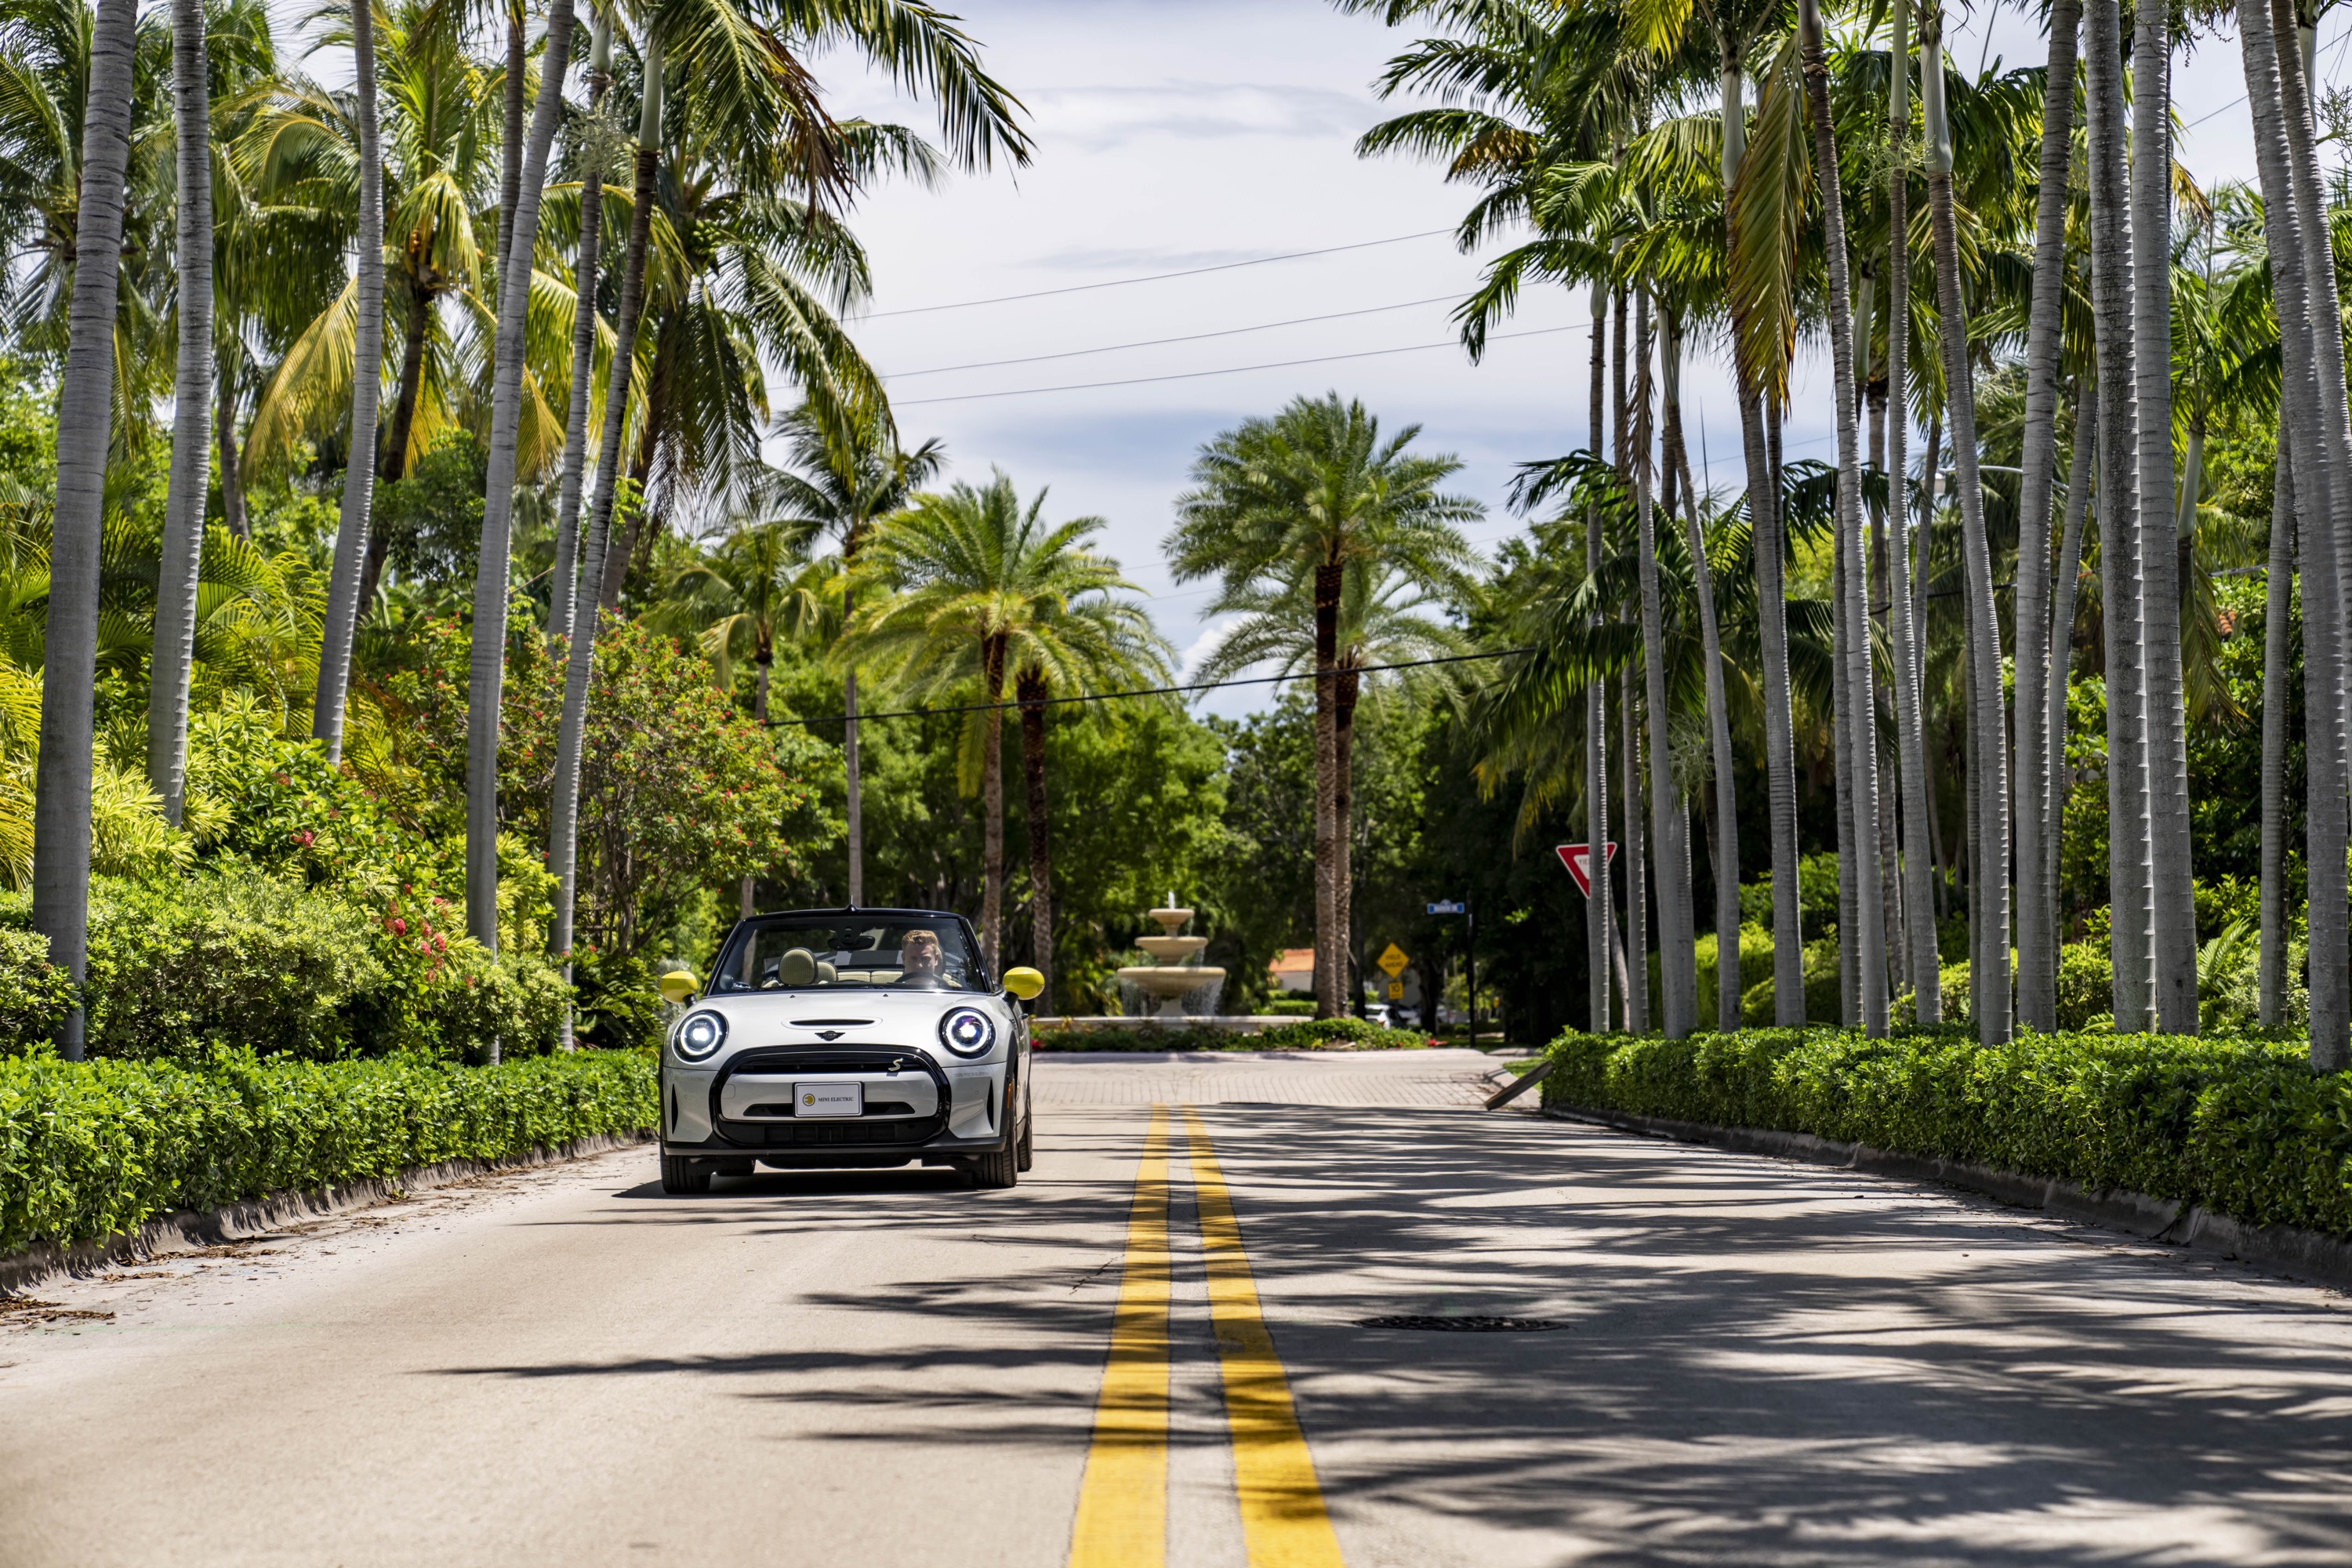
[
  {"x": 679, "y": 986},
  {"x": 1024, "y": 982}
]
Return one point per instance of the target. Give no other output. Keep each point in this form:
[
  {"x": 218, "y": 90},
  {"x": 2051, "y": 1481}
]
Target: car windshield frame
[{"x": 855, "y": 943}]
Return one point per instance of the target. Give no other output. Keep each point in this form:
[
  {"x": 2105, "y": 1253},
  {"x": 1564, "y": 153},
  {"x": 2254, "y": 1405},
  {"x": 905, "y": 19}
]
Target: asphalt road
[{"x": 1157, "y": 1343}]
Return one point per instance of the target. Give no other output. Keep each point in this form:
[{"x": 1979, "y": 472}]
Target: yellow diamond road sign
[{"x": 1393, "y": 960}]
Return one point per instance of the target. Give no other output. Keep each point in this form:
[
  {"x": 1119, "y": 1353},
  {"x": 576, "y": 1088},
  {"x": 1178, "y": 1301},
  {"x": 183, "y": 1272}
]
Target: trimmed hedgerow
[
  {"x": 93, "y": 1147},
  {"x": 2241, "y": 1126},
  {"x": 1312, "y": 1034}
]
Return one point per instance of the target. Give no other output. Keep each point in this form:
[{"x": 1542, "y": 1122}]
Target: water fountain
[{"x": 1170, "y": 979}]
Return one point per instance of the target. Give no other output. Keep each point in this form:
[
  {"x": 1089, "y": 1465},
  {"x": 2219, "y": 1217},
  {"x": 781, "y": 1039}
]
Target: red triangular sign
[{"x": 1578, "y": 858}]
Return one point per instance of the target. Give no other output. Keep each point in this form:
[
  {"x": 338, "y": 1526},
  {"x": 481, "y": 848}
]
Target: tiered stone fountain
[{"x": 1170, "y": 979}]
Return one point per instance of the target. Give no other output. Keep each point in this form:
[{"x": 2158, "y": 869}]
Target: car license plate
[{"x": 832, "y": 1099}]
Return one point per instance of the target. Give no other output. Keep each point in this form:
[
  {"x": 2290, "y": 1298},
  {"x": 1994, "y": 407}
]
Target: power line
[
  {"x": 1148, "y": 691},
  {"x": 1229, "y": 370},
  {"x": 1155, "y": 277},
  {"x": 1160, "y": 342}
]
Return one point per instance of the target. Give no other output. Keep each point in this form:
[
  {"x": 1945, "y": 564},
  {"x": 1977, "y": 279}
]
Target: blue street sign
[{"x": 1448, "y": 907}]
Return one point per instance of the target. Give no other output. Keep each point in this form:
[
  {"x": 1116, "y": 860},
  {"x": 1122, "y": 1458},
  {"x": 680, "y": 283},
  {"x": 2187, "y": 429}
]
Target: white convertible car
[{"x": 848, "y": 1037}]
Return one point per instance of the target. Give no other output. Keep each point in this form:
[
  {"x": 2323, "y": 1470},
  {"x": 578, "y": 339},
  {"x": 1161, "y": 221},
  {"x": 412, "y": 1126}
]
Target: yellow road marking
[
  {"x": 1122, "y": 1519},
  {"x": 1284, "y": 1523}
]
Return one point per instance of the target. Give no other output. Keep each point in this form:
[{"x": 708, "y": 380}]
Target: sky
[{"x": 1172, "y": 137}]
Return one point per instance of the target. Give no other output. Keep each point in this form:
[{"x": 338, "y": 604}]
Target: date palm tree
[
  {"x": 1307, "y": 491},
  {"x": 980, "y": 590},
  {"x": 61, "y": 809}
]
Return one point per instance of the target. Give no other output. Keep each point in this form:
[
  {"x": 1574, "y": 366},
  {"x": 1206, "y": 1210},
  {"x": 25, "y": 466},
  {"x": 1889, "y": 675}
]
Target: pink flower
[{"x": 399, "y": 928}]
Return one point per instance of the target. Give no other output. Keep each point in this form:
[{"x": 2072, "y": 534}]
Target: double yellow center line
[{"x": 1122, "y": 1519}]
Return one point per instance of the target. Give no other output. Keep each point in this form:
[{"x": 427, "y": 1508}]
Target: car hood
[{"x": 899, "y": 1020}]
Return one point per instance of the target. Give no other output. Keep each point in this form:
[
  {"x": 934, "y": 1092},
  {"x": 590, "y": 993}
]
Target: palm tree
[
  {"x": 2171, "y": 897},
  {"x": 983, "y": 590},
  {"x": 2037, "y": 943},
  {"x": 61, "y": 810},
  {"x": 2315, "y": 442},
  {"x": 566, "y": 589},
  {"x": 1308, "y": 490},
  {"x": 1854, "y": 699},
  {"x": 2279, "y": 592},
  {"x": 184, "y": 511},
  {"x": 842, "y": 472}
]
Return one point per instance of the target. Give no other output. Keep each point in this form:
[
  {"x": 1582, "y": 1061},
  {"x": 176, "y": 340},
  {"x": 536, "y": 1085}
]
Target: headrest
[{"x": 798, "y": 967}]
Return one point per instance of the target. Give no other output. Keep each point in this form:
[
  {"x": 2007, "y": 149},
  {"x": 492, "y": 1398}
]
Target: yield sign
[{"x": 1578, "y": 858}]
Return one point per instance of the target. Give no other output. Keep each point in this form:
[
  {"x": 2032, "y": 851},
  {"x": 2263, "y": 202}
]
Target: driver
[{"x": 919, "y": 961}]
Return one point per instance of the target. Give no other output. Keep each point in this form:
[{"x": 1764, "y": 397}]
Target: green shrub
[
  {"x": 1291, "y": 1006},
  {"x": 2239, "y": 1125},
  {"x": 90, "y": 1149},
  {"x": 1320, "y": 1034},
  {"x": 36, "y": 997}
]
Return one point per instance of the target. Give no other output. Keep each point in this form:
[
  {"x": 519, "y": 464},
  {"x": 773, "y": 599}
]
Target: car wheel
[
  {"x": 681, "y": 1175},
  {"x": 1001, "y": 1168},
  {"x": 1028, "y": 1145}
]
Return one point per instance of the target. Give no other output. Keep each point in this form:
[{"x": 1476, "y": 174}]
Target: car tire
[
  {"x": 681, "y": 1176},
  {"x": 1027, "y": 1147},
  {"x": 1001, "y": 1168}
]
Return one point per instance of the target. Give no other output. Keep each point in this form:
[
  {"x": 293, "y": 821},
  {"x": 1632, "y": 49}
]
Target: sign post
[
  {"x": 1469, "y": 952},
  {"x": 1393, "y": 964}
]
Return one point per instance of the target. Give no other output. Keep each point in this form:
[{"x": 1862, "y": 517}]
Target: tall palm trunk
[
  {"x": 991, "y": 802},
  {"x": 2330, "y": 1000},
  {"x": 2278, "y": 609},
  {"x": 1718, "y": 713},
  {"x": 487, "y": 673},
  {"x": 1637, "y": 916},
  {"x": 85, "y": 431},
  {"x": 764, "y": 662},
  {"x": 415, "y": 334},
  {"x": 2319, "y": 501},
  {"x": 1842, "y": 793},
  {"x": 511, "y": 139},
  {"x": 564, "y": 804},
  {"x": 1860, "y": 760},
  {"x": 1343, "y": 814},
  {"x": 232, "y": 486},
  {"x": 2171, "y": 899},
  {"x": 1329, "y": 944},
  {"x": 2062, "y": 633},
  {"x": 1675, "y": 957},
  {"x": 2037, "y": 945},
  {"x": 856, "y": 814},
  {"x": 2129, "y": 849},
  {"x": 1904, "y": 631},
  {"x": 1032, "y": 691},
  {"x": 184, "y": 507},
  {"x": 343, "y": 604},
  {"x": 565, "y": 593},
  {"x": 1988, "y": 998},
  {"x": 1599, "y": 902}
]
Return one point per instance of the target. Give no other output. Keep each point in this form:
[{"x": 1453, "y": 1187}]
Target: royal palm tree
[
  {"x": 842, "y": 472},
  {"x": 981, "y": 588},
  {"x": 184, "y": 507},
  {"x": 61, "y": 810},
  {"x": 1307, "y": 491},
  {"x": 566, "y": 583}
]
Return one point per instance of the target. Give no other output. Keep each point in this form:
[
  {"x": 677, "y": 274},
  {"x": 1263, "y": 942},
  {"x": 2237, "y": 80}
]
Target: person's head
[{"x": 918, "y": 953}]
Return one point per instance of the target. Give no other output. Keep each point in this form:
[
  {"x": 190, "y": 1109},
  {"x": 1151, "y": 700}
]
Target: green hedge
[
  {"x": 2237, "y": 1125},
  {"x": 89, "y": 1149},
  {"x": 1318, "y": 1033}
]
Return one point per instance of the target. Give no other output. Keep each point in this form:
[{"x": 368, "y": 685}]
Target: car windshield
[{"x": 910, "y": 952}]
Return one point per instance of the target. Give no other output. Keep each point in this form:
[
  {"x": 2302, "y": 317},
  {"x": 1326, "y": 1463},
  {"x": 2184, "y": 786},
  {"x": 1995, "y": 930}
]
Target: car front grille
[{"x": 791, "y": 1134}]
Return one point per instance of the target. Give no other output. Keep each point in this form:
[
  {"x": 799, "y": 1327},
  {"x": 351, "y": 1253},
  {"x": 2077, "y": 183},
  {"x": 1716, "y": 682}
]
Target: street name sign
[
  {"x": 1447, "y": 906},
  {"x": 1578, "y": 858}
]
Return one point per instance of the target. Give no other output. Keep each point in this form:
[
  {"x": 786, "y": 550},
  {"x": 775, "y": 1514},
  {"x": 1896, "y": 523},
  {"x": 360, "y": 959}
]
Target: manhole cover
[{"x": 1474, "y": 1325}]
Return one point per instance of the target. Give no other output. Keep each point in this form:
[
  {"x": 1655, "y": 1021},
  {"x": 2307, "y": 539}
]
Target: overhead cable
[
  {"x": 1148, "y": 691},
  {"x": 1229, "y": 370},
  {"x": 1155, "y": 277},
  {"x": 1161, "y": 342}
]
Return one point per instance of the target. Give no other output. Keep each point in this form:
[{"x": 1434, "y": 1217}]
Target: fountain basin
[{"x": 1172, "y": 949}]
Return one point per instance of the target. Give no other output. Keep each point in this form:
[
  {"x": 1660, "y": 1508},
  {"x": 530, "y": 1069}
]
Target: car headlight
[
  {"x": 699, "y": 1036},
  {"x": 968, "y": 1032}
]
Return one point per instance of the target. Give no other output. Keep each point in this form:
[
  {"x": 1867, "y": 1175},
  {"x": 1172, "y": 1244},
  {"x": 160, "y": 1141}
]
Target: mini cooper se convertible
[{"x": 848, "y": 1037}]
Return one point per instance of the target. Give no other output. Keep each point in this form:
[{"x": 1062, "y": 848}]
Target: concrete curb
[
  {"x": 2306, "y": 1254},
  {"x": 184, "y": 1230}
]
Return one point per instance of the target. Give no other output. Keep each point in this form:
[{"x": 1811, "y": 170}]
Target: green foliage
[
  {"x": 2239, "y": 1125},
  {"x": 92, "y": 1149},
  {"x": 1315, "y": 1034},
  {"x": 36, "y": 995}
]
